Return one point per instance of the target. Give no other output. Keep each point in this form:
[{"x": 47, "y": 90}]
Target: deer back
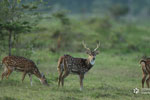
[
  {"x": 77, "y": 65},
  {"x": 20, "y": 64}
]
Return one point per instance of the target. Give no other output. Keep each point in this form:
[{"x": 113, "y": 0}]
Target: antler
[
  {"x": 85, "y": 46},
  {"x": 98, "y": 45}
]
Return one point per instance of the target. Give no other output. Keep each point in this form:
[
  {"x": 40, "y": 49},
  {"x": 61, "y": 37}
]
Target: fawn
[{"x": 11, "y": 63}]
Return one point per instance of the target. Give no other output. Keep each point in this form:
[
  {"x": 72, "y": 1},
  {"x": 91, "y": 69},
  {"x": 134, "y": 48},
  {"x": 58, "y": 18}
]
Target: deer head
[
  {"x": 92, "y": 53},
  {"x": 43, "y": 80}
]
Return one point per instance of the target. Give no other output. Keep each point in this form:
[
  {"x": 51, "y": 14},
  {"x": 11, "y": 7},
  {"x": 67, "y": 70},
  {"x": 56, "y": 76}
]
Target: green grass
[
  {"x": 115, "y": 74},
  {"x": 113, "y": 77}
]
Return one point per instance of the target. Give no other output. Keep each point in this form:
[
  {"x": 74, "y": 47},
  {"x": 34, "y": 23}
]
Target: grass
[{"x": 112, "y": 78}]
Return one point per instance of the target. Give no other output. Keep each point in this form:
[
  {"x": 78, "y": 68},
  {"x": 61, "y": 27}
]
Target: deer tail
[
  {"x": 60, "y": 64},
  {"x": 3, "y": 61},
  {"x": 142, "y": 62}
]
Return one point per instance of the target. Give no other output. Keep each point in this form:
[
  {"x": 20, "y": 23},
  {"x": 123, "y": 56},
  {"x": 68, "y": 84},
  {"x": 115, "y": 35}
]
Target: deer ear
[{"x": 96, "y": 52}]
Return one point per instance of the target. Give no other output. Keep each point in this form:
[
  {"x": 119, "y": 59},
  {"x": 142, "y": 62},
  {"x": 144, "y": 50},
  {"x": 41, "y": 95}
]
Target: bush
[{"x": 119, "y": 10}]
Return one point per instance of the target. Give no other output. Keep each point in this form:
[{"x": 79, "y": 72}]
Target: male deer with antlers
[
  {"x": 68, "y": 64},
  {"x": 21, "y": 64},
  {"x": 145, "y": 64}
]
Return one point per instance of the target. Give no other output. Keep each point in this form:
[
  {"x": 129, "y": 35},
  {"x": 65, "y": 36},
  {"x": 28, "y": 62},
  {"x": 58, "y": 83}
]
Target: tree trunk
[{"x": 10, "y": 44}]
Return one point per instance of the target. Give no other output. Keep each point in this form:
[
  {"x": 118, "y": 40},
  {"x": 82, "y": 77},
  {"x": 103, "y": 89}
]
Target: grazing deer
[
  {"x": 21, "y": 64},
  {"x": 68, "y": 64},
  {"x": 145, "y": 64}
]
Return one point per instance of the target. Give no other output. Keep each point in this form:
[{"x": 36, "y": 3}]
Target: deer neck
[
  {"x": 37, "y": 74},
  {"x": 90, "y": 61}
]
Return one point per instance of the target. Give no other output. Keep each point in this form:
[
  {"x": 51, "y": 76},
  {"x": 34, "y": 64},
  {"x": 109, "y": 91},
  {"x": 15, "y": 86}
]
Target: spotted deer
[
  {"x": 145, "y": 64},
  {"x": 79, "y": 66},
  {"x": 11, "y": 63}
]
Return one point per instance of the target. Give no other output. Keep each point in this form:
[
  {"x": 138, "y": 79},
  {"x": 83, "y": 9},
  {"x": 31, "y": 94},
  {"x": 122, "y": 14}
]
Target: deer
[
  {"x": 24, "y": 65},
  {"x": 145, "y": 64},
  {"x": 78, "y": 66}
]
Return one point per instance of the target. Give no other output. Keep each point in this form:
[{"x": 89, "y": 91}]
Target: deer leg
[
  {"x": 64, "y": 76},
  {"x": 60, "y": 69},
  {"x": 143, "y": 80},
  {"x": 4, "y": 73},
  {"x": 59, "y": 78},
  {"x": 2, "y": 76},
  {"x": 81, "y": 81},
  {"x": 23, "y": 76},
  {"x": 9, "y": 72},
  {"x": 30, "y": 79},
  {"x": 147, "y": 81},
  {"x": 66, "y": 73}
]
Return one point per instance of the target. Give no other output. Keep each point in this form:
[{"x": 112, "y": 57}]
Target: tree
[
  {"x": 13, "y": 19},
  {"x": 119, "y": 10},
  {"x": 64, "y": 35}
]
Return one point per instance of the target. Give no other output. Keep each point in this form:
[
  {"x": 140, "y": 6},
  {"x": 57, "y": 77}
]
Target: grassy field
[{"x": 113, "y": 77}]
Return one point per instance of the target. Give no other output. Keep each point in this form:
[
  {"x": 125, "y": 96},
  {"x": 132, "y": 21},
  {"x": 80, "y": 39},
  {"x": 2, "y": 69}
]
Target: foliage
[
  {"x": 113, "y": 75},
  {"x": 12, "y": 19},
  {"x": 118, "y": 10},
  {"x": 64, "y": 35}
]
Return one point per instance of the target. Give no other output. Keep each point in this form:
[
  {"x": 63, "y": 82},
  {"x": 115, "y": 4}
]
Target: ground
[{"x": 113, "y": 77}]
